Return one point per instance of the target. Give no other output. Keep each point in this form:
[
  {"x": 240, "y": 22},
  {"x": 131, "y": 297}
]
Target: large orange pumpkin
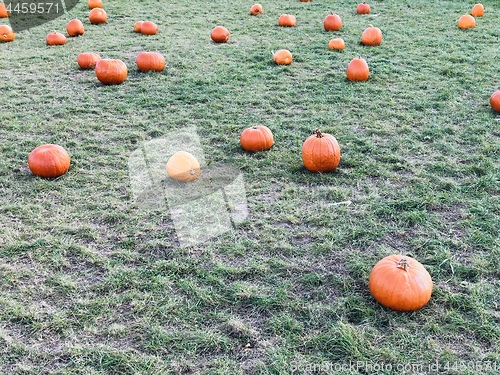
[
  {"x": 75, "y": 27},
  {"x": 495, "y": 101},
  {"x": 55, "y": 39},
  {"x": 6, "y": 33},
  {"x": 287, "y": 20},
  {"x": 363, "y": 8},
  {"x": 256, "y": 138},
  {"x": 49, "y": 161},
  {"x": 400, "y": 283},
  {"x": 98, "y": 15},
  {"x": 283, "y": 57},
  {"x": 3, "y": 11},
  {"x": 478, "y": 10},
  {"x": 149, "y": 28},
  {"x": 332, "y": 22},
  {"x": 150, "y": 61},
  {"x": 321, "y": 152},
  {"x": 183, "y": 166},
  {"x": 219, "y": 34},
  {"x": 94, "y": 4},
  {"x": 357, "y": 70},
  {"x": 111, "y": 71},
  {"x": 87, "y": 60},
  {"x": 466, "y": 22},
  {"x": 256, "y": 9},
  {"x": 371, "y": 36}
]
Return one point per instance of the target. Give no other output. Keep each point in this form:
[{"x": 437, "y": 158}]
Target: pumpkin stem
[
  {"x": 318, "y": 133},
  {"x": 403, "y": 263}
]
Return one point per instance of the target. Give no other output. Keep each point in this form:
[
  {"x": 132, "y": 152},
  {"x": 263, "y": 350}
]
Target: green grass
[{"x": 93, "y": 283}]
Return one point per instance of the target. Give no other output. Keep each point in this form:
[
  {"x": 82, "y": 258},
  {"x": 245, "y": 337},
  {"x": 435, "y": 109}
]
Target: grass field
[{"x": 91, "y": 282}]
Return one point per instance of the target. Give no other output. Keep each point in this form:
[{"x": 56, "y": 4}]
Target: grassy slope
[{"x": 93, "y": 284}]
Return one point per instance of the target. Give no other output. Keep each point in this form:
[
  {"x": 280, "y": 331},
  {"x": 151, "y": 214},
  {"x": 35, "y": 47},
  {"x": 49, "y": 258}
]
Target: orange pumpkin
[
  {"x": 75, "y": 27},
  {"x": 363, "y": 8},
  {"x": 94, "y": 4},
  {"x": 357, "y": 70},
  {"x": 466, "y": 22},
  {"x": 111, "y": 71},
  {"x": 371, "y": 36},
  {"x": 97, "y": 16},
  {"x": 55, "y": 39},
  {"x": 137, "y": 26},
  {"x": 400, "y": 283},
  {"x": 321, "y": 152},
  {"x": 219, "y": 34},
  {"x": 3, "y": 11},
  {"x": 495, "y": 101},
  {"x": 332, "y": 22},
  {"x": 337, "y": 43},
  {"x": 256, "y": 9},
  {"x": 287, "y": 20},
  {"x": 256, "y": 138},
  {"x": 48, "y": 161},
  {"x": 6, "y": 33},
  {"x": 306, "y": 1},
  {"x": 282, "y": 57},
  {"x": 87, "y": 60},
  {"x": 150, "y": 61},
  {"x": 149, "y": 28},
  {"x": 478, "y": 10},
  {"x": 183, "y": 166}
]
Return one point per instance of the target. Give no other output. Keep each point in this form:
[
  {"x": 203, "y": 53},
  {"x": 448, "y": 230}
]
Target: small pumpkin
[
  {"x": 400, "y": 283},
  {"x": 357, "y": 70},
  {"x": 150, "y": 61},
  {"x": 337, "y": 43},
  {"x": 183, "y": 166},
  {"x": 97, "y": 16},
  {"x": 466, "y": 22},
  {"x": 75, "y": 27},
  {"x": 321, "y": 152},
  {"x": 149, "y": 28},
  {"x": 55, "y": 39},
  {"x": 306, "y": 1},
  {"x": 283, "y": 57},
  {"x": 94, "y": 4},
  {"x": 87, "y": 60},
  {"x": 332, "y": 22},
  {"x": 256, "y": 138},
  {"x": 6, "y": 33},
  {"x": 3, "y": 11},
  {"x": 137, "y": 26},
  {"x": 49, "y": 161},
  {"x": 371, "y": 36},
  {"x": 495, "y": 101},
  {"x": 219, "y": 34},
  {"x": 287, "y": 20},
  {"x": 256, "y": 9},
  {"x": 111, "y": 71},
  {"x": 363, "y": 8},
  {"x": 478, "y": 10}
]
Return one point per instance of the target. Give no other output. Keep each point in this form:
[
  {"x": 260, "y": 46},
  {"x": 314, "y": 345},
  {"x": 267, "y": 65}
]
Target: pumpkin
[
  {"x": 357, "y": 70},
  {"x": 75, "y": 27},
  {"x": 400, "y": 283},
  {"x": 98, "y": 15},
  {"x": 337, "y": 43},
  {"x": 287, "y": 20},
  {"x": 48, "y": 161},
  {"x": 149, "y": 28},
  {"x": 219, "y": 34},
  {"x": 87, "y": 60},
  {"x": 320, "y": 152},
  {"x": 55, "y": 39},
  {"x": 478, "y": 10},
  {"x": 282, "y": 57},
  {"x": 305, "y": 1},
  {"x": 495, "y": 101},
  {"x": 371, "y": 36},
  {"x": 363, "y": 8},
  {"x": 256, "y": 138},
  {"x": 3, "y": 11},
  {"x": 466, "y": 22},
  {"x": 94, "y": 4},
  {"x": 183, "y": 166},
  {"x": 147, "y": 61},
  {"x": 256, "y": 9},
  {"x": 332, "y": 22},
  {"x": 137, "y": 26},
  {"x": 6, "y": 33},
  {"x": 111, "y": 71}
]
